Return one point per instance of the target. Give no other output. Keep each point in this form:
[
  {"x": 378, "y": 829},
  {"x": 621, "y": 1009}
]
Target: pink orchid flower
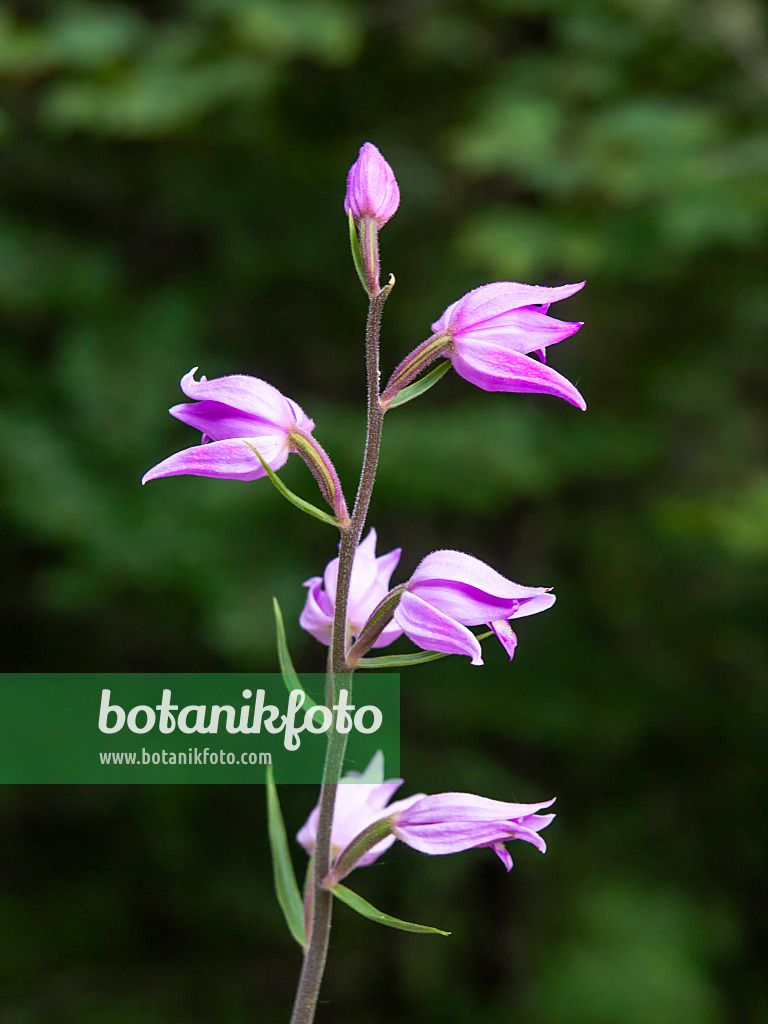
[
  {"x": 365, "y": 825},
  {"x": 450, "y": 591},
  {"x": 359, "y": 803},
  {"x": 452, "y": 822},
  {"x": 369, "y": 585},
  {"x": 237, "y": 412},
  {"x": 226, "y": 411},
  {"x": 490, "y": 335}
]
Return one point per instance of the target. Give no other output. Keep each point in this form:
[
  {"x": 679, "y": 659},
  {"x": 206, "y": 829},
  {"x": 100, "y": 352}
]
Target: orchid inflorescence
[{"x": 495, "y": 337}]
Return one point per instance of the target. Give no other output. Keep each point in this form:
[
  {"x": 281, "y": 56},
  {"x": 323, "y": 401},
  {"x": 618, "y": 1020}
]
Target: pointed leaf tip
[
  {"x": 288, "y": 672},
  {"x": 420, "y": 386},
  {"x": 286, "y": 886},
  {"x": 366, "y": 909}
]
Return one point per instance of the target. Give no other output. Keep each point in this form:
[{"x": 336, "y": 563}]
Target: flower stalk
[{"x": 413, "y": 364}]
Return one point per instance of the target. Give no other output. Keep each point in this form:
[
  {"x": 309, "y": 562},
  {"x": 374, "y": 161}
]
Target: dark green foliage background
[{"x": 172, "y": 178}]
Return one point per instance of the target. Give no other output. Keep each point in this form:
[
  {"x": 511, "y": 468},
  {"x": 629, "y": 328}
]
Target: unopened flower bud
[{"x": 371, "y": 187}]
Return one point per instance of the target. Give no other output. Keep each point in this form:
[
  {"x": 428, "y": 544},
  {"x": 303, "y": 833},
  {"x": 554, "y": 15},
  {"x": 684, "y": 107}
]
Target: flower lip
[{"x": 372, "y": 189}]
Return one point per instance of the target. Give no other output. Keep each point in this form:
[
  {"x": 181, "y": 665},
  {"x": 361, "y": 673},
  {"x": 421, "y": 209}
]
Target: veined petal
[
  {"x": 449, "y": 565},
  {"x": 432, "y": 630},
  {"x": 231, "y": 459},
  {"x": 522, "y": 330},
  {"x": 364, "y": 571},
  {"x": 452, "y": 807},
  {"x": 465, "y": 604},
  {"x": 451, "y": 822},
  {"x": 250, "y": 395},
  {"x": 443, "y": 837},
  {"x": 495, "y": 368},
  {"x": 490, "y": 300},
  {"x": 536, "y": 822},
  {"x": 220, "y": 421},
  {"x": 385, "y": 566},
  {"x": 368, "y": 586},
  {"x": 530, "y": 835},
  {"x": 467, "y": 589}
]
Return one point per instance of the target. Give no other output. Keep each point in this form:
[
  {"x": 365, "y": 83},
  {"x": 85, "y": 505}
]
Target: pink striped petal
[
  {"x": 433, "y": 630},
  {"x": 495, "y": 368},
  {"x": 231, "y": 459}
]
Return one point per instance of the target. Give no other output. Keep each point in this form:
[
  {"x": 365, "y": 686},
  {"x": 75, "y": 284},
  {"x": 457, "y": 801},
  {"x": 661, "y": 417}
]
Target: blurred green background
[{"x": 172, "y": 179}]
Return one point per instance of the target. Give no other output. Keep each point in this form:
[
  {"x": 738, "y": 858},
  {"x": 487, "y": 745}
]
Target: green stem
[
  {"x": 319, "y": 925},
  {"x": 340, "y": 677}
]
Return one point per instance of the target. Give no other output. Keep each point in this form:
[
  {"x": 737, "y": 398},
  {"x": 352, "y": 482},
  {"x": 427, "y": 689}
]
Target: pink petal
[
  {"x": 431, "y": 630},
  {"x": 522, "y": 330},
  {"x": 494, "y": 368},
  {"x": 534, "y": 605},
  {"x": 358, "y": 804},
  {"x": 506, "y": 636},
  {"x": 250, "y": 395},
  {"x": 220, "y": 422},
  {"x": 442, "y": 837},
  {"x": 453, "y": 807},
  {"x": 385, "y": 566},
  {"x": 231, "y": 460},
  {"x": 364, "y": 575},
  {"x": 369, "y": 583},
  {"x": 492, "y": 299},
  {"x": 451, "y": 822},
  {"x": 503, "y": 854},
  {"x": 317, "y": 615},
  {"x": 467, "y": 589}
]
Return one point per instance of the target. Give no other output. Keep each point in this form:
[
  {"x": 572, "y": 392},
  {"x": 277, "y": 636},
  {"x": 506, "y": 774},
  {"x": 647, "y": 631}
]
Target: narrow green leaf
[
  {"x": 364, "y": 907},
  {"x": 291, "y": 680},
  {"x": 400, "y": 660},
  {"x": 294, "y": 499},
  {"x": 421, "y": 385},
  {"x": 286, "y": 887},
  {"x": 403, "y": 660},
  {"x": 357, "y": 259}
]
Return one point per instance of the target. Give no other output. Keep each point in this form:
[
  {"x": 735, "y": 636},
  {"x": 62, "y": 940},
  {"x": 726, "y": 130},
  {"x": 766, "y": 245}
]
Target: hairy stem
[
  {"x": 351, "y": 538},
  {"x": 340, "y": 677}
]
